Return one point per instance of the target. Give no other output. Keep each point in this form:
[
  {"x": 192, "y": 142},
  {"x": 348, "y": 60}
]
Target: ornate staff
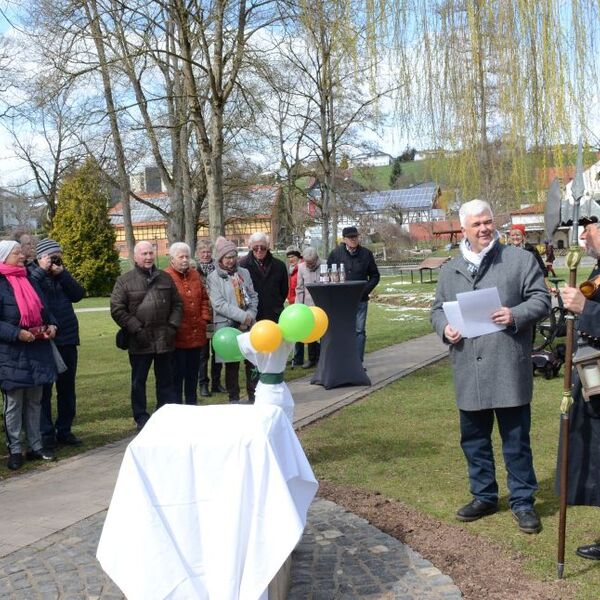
[{"x": 573, "y": 258}]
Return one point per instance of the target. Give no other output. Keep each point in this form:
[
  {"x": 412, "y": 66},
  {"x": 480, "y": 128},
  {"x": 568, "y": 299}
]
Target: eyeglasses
[
  {"x": 230, "y": 257},
  {"x": 260, "y": 248}
]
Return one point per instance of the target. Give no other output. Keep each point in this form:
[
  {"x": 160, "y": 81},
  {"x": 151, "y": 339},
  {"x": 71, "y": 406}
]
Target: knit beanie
[
  {"x": 47, "y": 246},
  {"x": 518, "y": 226},
  {"x": 6, "y": 247},
  {"x": 223, "y": 247}
]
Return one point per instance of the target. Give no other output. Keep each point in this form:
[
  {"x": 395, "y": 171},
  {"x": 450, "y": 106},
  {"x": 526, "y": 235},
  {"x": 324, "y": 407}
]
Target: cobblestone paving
[{"x": 340, "y": 556}]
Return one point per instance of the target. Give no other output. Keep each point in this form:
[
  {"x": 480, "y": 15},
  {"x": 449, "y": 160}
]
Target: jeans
[
  {"x": 185, "y": 367},
  {"x": 361, "y": 327},
  {"x": 514, "y": 424},
  {"x": 163, "y": 375},
  {"x": 65, "y": 397},
  {"x": 22, "y": 409}
]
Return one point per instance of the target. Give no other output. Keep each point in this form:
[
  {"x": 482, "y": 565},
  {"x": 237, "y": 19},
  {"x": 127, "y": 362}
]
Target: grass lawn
[{"x": 403, "y": 441}]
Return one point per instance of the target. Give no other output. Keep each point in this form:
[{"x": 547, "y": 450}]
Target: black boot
[{"x": 204, "y": 391}]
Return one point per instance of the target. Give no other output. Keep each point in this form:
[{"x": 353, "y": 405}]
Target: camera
[{"x": 56, "y": 260}]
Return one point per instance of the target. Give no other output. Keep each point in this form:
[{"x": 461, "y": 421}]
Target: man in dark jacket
[
  {"x": 145, "y": 303},
  {"x": 584, "y": 422},
  {"x": 61, "y": 291},
  {"x": 359, "y": 265},
  {"x": 270, "y": 280}
]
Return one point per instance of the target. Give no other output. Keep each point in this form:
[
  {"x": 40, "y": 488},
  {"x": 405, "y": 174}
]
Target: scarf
[
  {"x": 239, "y": 289},
  {"x": 28, "y": 302},
  {"x": 473, "y": 259},
  {"x": 206, "y": 268}
]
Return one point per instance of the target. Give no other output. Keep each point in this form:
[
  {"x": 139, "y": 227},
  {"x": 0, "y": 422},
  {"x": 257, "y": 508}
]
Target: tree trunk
[{"x": 91, "y": 10}]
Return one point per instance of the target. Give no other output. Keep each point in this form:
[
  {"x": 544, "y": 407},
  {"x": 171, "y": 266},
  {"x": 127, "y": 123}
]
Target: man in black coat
[
  {"x": 584, "y": 422},
  {"x": 147, "y": 304},
  {"x": 61, "y": 291},
  {"x": 270, "y": 280},
  {"x": 359, "y": 265}
]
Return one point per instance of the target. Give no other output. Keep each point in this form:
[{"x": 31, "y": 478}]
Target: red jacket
[
  {"x": 196, "y": 308},
  {"x": 293, "y": 280}
]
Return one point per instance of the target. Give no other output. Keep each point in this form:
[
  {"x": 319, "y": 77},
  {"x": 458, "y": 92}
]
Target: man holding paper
[{"x": 491, "y": 358}]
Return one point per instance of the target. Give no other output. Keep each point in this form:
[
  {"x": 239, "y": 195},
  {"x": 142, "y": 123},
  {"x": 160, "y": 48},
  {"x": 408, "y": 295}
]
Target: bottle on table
[
  {"x": 342, "y": 273},
  {"x": 334, "y": 277},
  {"x": 323, "y": 275}
]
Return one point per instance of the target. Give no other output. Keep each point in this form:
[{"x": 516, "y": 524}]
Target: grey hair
[
  {"x": 138, "y": 245},
  {"x": 259, "y": 236},
  {"x": 178, "y": 247},
  {"x": 474, "y": 207},
  {"x": 310, "y": 254},
  {"x": 204, "y": 244}
]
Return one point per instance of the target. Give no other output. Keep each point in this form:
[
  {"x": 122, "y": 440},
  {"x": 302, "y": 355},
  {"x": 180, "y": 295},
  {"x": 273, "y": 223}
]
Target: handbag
[
  {"x": 61, "y": 366},
  {"x": 122, "y": 339}
]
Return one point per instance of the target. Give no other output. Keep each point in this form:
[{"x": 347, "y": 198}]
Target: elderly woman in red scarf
[{"x": 26, "y": 359}]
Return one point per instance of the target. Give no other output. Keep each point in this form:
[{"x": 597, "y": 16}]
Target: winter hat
[
  {"x": 47, "y": 246},
  {"x": 6, "y": 247},
  {"x": 518, "y": 226},
  {"x": 223, "y": 247},
  {"x": 293, "y": 251}
]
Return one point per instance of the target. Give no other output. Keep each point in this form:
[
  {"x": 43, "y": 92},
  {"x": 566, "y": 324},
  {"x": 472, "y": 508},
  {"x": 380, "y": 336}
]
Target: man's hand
[
  {"x": 51, "y": 329},
  {"x": 56, "y": 269},
  {"x": 573, "y": 299},
  {"x": 452, "y": 335},
  {"x": 503, "y": 316},
  {"x": 45, "y": 262}
]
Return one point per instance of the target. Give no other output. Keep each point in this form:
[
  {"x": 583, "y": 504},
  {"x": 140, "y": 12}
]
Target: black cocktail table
[{"x": 339, "y": 362}]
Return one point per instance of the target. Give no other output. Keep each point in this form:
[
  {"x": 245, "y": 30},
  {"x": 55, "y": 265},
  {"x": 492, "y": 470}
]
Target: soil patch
[{"x": 480, "y": 568}]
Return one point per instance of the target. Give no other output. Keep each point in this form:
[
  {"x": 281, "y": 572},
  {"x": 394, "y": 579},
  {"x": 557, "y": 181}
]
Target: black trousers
[
  {"x": 232, "y": 380},
  {"x": 186, "y": 365},
  {"x": 206, "y": 354},
  {"x": 163, "y": 374},
  {"x": 65, "y": 397}
]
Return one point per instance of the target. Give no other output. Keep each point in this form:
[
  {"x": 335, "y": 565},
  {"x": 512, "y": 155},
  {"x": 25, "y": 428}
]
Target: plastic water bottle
[
  {"x": 342, "y": 274},
  {"x": 323, "y": 275},
  {"x": 334, "y": 278}
]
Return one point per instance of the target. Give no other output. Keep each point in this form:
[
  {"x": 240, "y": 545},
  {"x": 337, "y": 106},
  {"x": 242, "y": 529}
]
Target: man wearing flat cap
[
  {"x": 61, "y": 291},
  {"x": 584, "y": 421},
  {"x": 359, "y": 265}
]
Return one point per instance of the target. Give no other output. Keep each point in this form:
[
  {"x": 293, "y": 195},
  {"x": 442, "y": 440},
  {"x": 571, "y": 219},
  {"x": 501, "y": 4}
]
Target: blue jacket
[
  {"x": 22, "y": 364},
  {"x": 60, "y": 292}
]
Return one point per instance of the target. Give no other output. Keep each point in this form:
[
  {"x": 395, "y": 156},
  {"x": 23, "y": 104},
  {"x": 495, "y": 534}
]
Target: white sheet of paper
[{"x": 474, "y": 309}]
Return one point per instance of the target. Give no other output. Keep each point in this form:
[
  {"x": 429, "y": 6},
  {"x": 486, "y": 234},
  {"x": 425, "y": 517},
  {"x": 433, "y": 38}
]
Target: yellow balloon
[
  {"x": 321, "y": 325},
  {"x": 265, "y": 336}
]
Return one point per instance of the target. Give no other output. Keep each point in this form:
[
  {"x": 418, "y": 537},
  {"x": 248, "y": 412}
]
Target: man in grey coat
[{"x": 492, "y": 373}]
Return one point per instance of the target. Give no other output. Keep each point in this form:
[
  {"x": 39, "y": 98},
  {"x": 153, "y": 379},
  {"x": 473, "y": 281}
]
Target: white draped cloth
[
  {"x": 209, "y": 503},
  {"x": 269, "y": 362}
]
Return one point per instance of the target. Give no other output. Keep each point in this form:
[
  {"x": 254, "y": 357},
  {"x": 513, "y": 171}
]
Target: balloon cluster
[{"x": 297, "y": 323}]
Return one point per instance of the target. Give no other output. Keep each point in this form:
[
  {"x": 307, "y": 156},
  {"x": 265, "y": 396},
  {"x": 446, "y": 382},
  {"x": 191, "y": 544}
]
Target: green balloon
[
  {"x": 225, "y": 344},
  {"x": 296, "y": 322}
]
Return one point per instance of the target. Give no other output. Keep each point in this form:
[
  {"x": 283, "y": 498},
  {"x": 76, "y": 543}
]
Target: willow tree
[{"x": 499, "y": 86}]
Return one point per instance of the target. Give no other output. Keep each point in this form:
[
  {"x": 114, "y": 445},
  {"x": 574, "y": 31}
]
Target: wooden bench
[{"x": 429, "y": 264}]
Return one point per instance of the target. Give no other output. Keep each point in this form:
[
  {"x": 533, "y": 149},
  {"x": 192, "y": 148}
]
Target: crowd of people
[{"x": 167, "y": 318}]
